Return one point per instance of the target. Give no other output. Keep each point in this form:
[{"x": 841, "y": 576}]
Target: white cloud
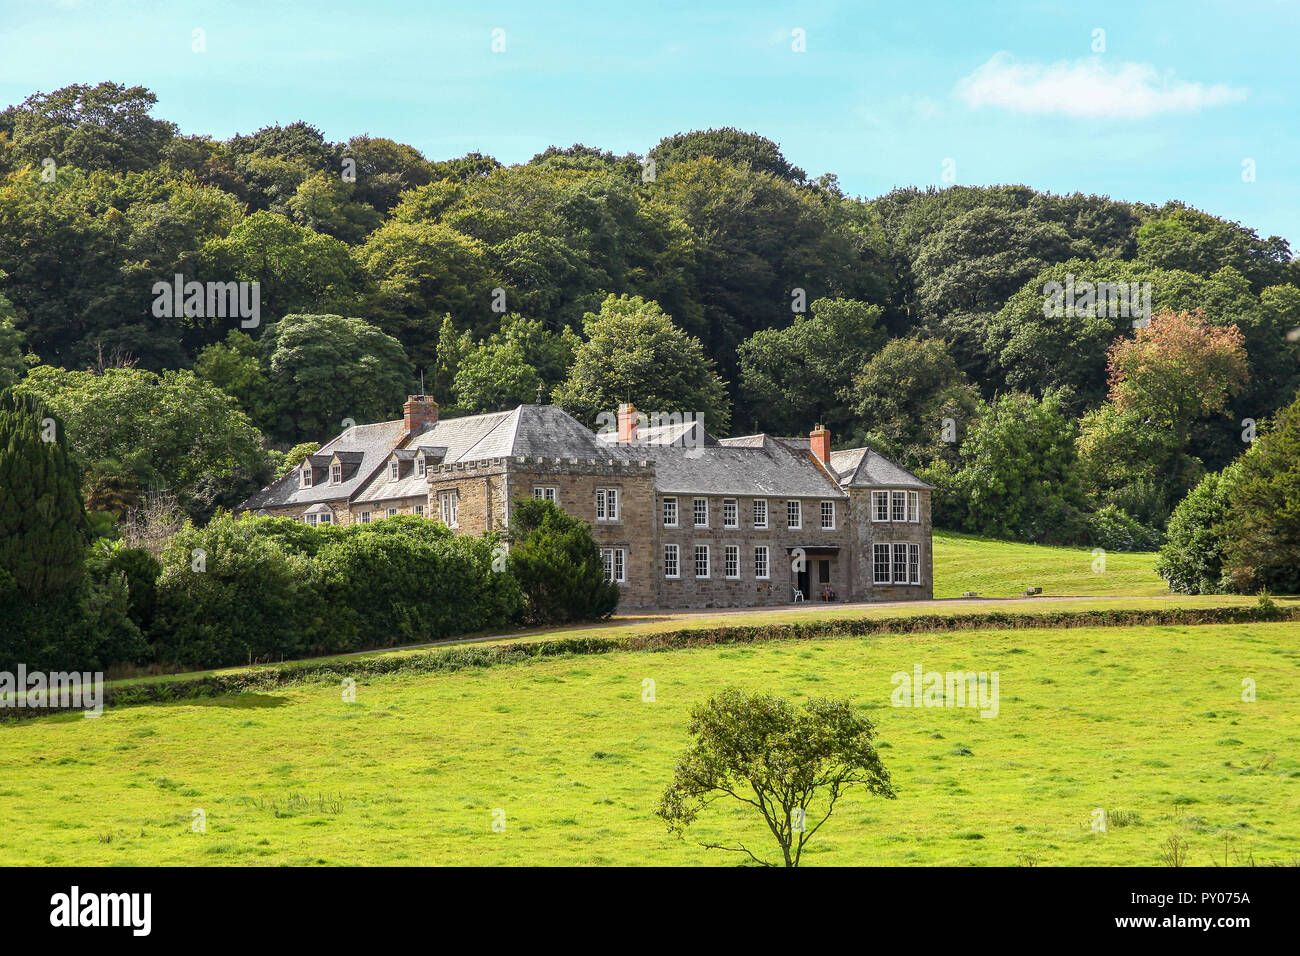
[{"x": 1088, "y": 88}]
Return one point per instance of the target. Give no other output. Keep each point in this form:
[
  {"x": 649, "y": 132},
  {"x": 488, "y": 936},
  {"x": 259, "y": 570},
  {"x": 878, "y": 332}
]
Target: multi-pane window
[
  {"x": 419, "y": 511},
  {"x": 880, "y": 506},
  {"x": 606, "y": 504},
  {"x": 306, "y": 475},
  {"x": 449, "y": 508},
  {"x": 670, "y": 512},
  {"x": 760, "y": 513},
  {"x": 310, "y": 519},
  {"x": 731, "y": 561},
  {"x": 794, "y": 514},
  {"x": 544, "y": 492},
  {"x": 394, "y": 469},
  {"x": 914, "y": 563},
  {"x": 914, "y": 506},
  {"x": 613, "y": 560},
  {"x": 365, "y": 517},
  {"x": 672, "y": 566},
  {"x": 828, "y": 516},
  {"x": 701, "y": 560},
  {"x": 898, "y": 506},
  {"x": 701, "y": 511},
  {"x": 880, "y": 563},
  {"x": 336, "y": 474},
  {"x": 760, "y": 562},
  {"x": 327, "y": 518},
  {"x": 730, "y": 513},
  {"x": 900, "y": 564},
  {"x": 420, "y": 467},
  {"x": 392, "y": 512}
]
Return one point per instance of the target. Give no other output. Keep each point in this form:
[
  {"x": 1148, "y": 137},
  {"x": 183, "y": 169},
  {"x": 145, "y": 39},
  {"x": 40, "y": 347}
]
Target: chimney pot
[
  {"x": 819, "y": 440},
  {"x": 627, "y": 422},
  {"x": 419, "y": 412}
]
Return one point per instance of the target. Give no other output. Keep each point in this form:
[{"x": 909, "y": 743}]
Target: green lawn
[
  {"x": 1002, "y": 569},
  {"x": 1147, "y": 720}
]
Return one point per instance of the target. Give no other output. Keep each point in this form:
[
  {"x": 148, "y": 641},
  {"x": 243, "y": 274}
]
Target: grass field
[
  {"x": 1149, "y": 721},
  {"x": 1003, "y": 568}
]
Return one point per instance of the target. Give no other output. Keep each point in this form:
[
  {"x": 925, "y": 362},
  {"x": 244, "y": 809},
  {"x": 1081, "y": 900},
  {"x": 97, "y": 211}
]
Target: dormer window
[
  {"x": 306, "y": 474},
  {"x": 336, "y": 474},
  {"x": 419, "y": 466},
  {"x": 394, "y": 469}
]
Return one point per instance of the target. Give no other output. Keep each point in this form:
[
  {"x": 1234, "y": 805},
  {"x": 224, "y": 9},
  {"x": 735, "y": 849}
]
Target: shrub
[
  {"x": 557, "y": 564},
  {"x": 230, "y": 593},
  {"x": 1192, "y": 558},
  {"x": 1112, "y": 529},
  {"x": 405, "y": 580}
]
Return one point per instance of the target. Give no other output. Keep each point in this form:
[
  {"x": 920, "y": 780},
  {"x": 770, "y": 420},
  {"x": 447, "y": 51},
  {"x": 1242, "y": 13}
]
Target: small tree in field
[{"x": 790, "y": 764}]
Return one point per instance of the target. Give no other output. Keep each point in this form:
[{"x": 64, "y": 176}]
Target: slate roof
[
  {"x": 374, "y": 442},
  {"x": 754, "y": 465},
  {"x": 763, "y": 469},
  {"x": 867, "y": 468}
]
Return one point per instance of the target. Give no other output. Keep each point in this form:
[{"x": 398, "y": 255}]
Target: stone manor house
[{"x": 682, "y": 519}]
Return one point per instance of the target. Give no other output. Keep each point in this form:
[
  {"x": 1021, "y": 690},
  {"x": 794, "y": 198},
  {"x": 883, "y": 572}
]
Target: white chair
[{"x": 798, "y": 596}]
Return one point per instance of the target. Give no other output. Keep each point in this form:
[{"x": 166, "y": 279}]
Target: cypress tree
[{"x": 43, "y": 530}]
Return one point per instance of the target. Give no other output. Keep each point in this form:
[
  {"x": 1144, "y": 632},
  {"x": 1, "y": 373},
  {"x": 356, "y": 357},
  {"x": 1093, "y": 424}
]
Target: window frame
[
  {"x": 554, "y": 495},
  {"x": 760, "y": 525},
  {"x": 914, "y": 563},
  {"x": 449, "y": 507},
  {"x": 914, "y": 507},
  {"x": 336, "y": 473},
  {"x": 670, "y": 501},
  {"x": 703, "y": 550},
  {"x": 793, "y": 506},
  {"x": 421, "y": 469},
  {"x": 607, "y": 505},
  {"x": 613, "y": 562},
  {"x": 897, "y": 506},
  {"x": 733, "y": 506},
  {"x": 824, "y": 525},
  {"x": 695, "y": 512},
  {"x": 876, "y": 497},
  {"x": 729, "y": 551},
  {"x": 900, "y": 547},
  {"x": 763, "y": 568},
  {"x": 417, "y": 510},
  {"x": 365, "y": 517},
  {"x": 394, "y": 469},
  {"x": 876, "y": 548},
  {"x": 306, "y": 475},
  {"x": 676, "y": 552}
]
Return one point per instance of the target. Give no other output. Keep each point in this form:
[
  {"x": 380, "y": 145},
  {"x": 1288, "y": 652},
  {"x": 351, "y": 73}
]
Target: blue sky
[{"x": 884, "y": 93}]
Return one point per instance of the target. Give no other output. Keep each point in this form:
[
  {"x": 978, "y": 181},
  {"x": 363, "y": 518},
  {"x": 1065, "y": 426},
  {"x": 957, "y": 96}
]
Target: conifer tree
[{"x": 43, "y": 528}]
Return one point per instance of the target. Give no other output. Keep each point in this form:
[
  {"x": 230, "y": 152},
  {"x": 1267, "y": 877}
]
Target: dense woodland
[{"x": 709, "y": 275}]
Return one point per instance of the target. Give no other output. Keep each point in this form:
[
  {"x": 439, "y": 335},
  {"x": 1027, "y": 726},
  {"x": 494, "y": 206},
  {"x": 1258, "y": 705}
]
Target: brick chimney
[
  {"x": 627, "y": 421},
  {"x": 819, "y": 439},
  {"x": 418, "y": 412}
]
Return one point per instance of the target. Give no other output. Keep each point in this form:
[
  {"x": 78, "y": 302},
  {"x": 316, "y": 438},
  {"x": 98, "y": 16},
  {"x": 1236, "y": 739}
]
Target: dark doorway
[
  {"x": 823, "y": 572},
  {"x": 803, "y": 582}
]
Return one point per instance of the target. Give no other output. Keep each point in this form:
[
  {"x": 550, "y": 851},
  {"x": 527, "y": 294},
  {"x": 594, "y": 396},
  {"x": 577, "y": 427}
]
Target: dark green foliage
[
  {"x": 139, "y": 569},
  {"x": 557, "y": 564},
  {"x": 1192, "y": 558},
  {"x": 43, "y": 530},
  {"x": 1262, "y": 547},
  {"x": 259, "y": 589},
  {"x": 1018, "y": 478},
  {"x": 729, "y": 145},
  {"x": 404, "y": 580},
  {"x": 1112, "y": 529}
]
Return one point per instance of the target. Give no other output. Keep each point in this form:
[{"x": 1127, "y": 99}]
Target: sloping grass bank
[{"x": 490, "y": 655}]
